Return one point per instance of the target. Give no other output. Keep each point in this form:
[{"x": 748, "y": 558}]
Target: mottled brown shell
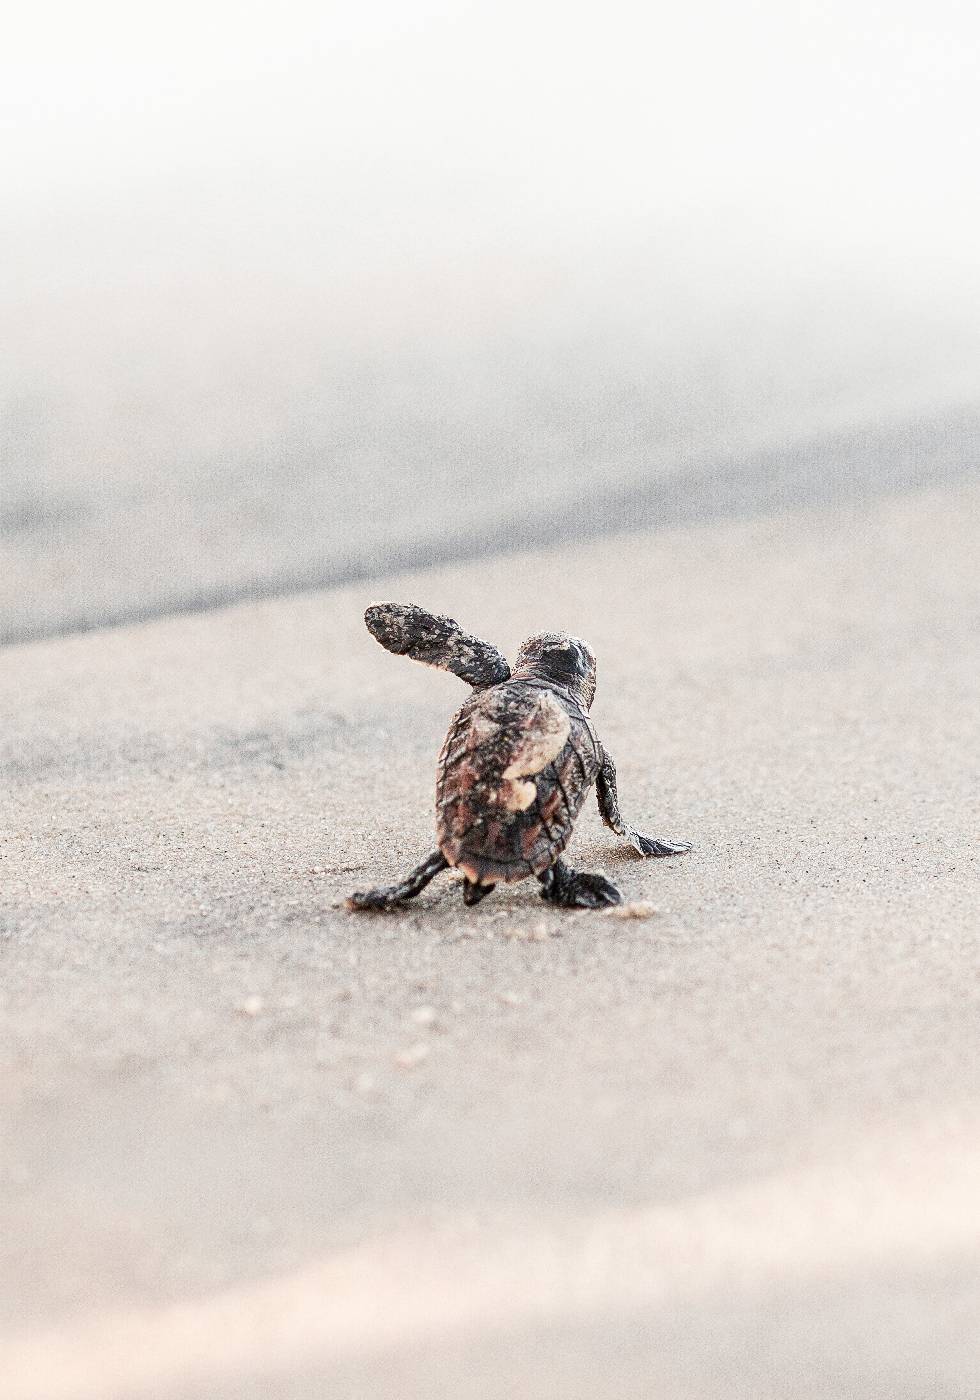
[{"x": 513, "y": 773}]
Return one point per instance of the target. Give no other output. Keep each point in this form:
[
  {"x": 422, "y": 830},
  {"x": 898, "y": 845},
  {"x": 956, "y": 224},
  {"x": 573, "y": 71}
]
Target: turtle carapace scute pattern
[{"x": 518, "y": 762}]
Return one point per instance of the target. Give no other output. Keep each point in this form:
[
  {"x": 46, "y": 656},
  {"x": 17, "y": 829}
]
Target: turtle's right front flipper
[
  {"x": 408, "y": 630},
  {"x": 613, "y": 818}
]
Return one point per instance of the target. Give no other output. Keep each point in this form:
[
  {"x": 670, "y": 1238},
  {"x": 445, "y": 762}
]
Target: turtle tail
[{"x": 408, "y": 630}]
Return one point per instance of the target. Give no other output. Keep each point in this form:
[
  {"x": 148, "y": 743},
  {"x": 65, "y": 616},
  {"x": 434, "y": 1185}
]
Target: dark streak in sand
[{"x": 826, "y": 472}]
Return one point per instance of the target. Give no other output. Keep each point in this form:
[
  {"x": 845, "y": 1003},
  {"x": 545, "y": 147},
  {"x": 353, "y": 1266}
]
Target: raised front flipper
[
  {"x": 408, "y": 630},
  {"x": 611, "y": 815}
]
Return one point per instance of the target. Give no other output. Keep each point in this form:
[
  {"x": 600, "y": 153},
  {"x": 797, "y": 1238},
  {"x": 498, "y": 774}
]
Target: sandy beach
[
  {"x": 655, "y": 324},
  {"x": 255, "y": 1146}
]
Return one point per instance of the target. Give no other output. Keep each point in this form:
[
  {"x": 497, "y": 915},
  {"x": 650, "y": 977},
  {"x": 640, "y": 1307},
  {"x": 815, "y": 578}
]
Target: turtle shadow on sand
[
  {"x": 624, "y": 857},
  {"x": 518, "y": 762}
]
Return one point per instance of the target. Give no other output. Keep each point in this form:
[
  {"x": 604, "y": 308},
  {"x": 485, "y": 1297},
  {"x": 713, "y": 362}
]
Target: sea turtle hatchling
[{"x": 517, "y": 764}]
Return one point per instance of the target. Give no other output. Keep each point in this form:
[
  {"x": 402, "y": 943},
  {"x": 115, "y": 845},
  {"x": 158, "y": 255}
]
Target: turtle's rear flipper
[
  {"x": 577, "y": 889},
  {"x": 473, "y": 893},
  {"x": 390, "y": 896},
  {"x": 408, "y": 630}
]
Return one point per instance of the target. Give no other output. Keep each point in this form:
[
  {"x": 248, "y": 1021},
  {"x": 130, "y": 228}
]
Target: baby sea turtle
[{"x": 517, "y": 764}]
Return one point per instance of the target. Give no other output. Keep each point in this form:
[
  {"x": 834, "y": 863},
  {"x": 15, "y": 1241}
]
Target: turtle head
[{"x": 564, "y": 661}]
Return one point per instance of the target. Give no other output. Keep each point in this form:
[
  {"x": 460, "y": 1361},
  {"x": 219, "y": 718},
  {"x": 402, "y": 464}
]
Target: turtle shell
[{"x": 514, "y": 771}]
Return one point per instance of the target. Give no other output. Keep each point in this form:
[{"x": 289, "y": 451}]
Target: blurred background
[
  {"x": 296, "y": 295},
  {"x": 305, "y": 294}
]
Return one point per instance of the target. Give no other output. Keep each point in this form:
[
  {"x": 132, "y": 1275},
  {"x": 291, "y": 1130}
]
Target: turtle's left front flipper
[
  {"x": 390, "y": 896},
  {"x": 611, "y": 815},
  {"x": 408, "y": 630}
]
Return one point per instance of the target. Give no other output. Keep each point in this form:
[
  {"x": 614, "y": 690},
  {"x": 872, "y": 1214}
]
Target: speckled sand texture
[{"x": 253, "y": 1147}]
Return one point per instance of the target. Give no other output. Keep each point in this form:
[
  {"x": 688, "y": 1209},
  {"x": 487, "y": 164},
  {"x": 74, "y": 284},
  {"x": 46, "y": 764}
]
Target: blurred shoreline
[{"x": 297, "y": 551}]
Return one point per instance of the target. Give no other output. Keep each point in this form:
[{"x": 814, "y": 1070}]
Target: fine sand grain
[{"x": 254, "y": 1146}]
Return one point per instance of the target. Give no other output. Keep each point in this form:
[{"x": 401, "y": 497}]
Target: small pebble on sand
[
  {"x": 413, "y": 1056},
  {"x": 536, "y": 933},
  {"x": 252, "y": 1005}
]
